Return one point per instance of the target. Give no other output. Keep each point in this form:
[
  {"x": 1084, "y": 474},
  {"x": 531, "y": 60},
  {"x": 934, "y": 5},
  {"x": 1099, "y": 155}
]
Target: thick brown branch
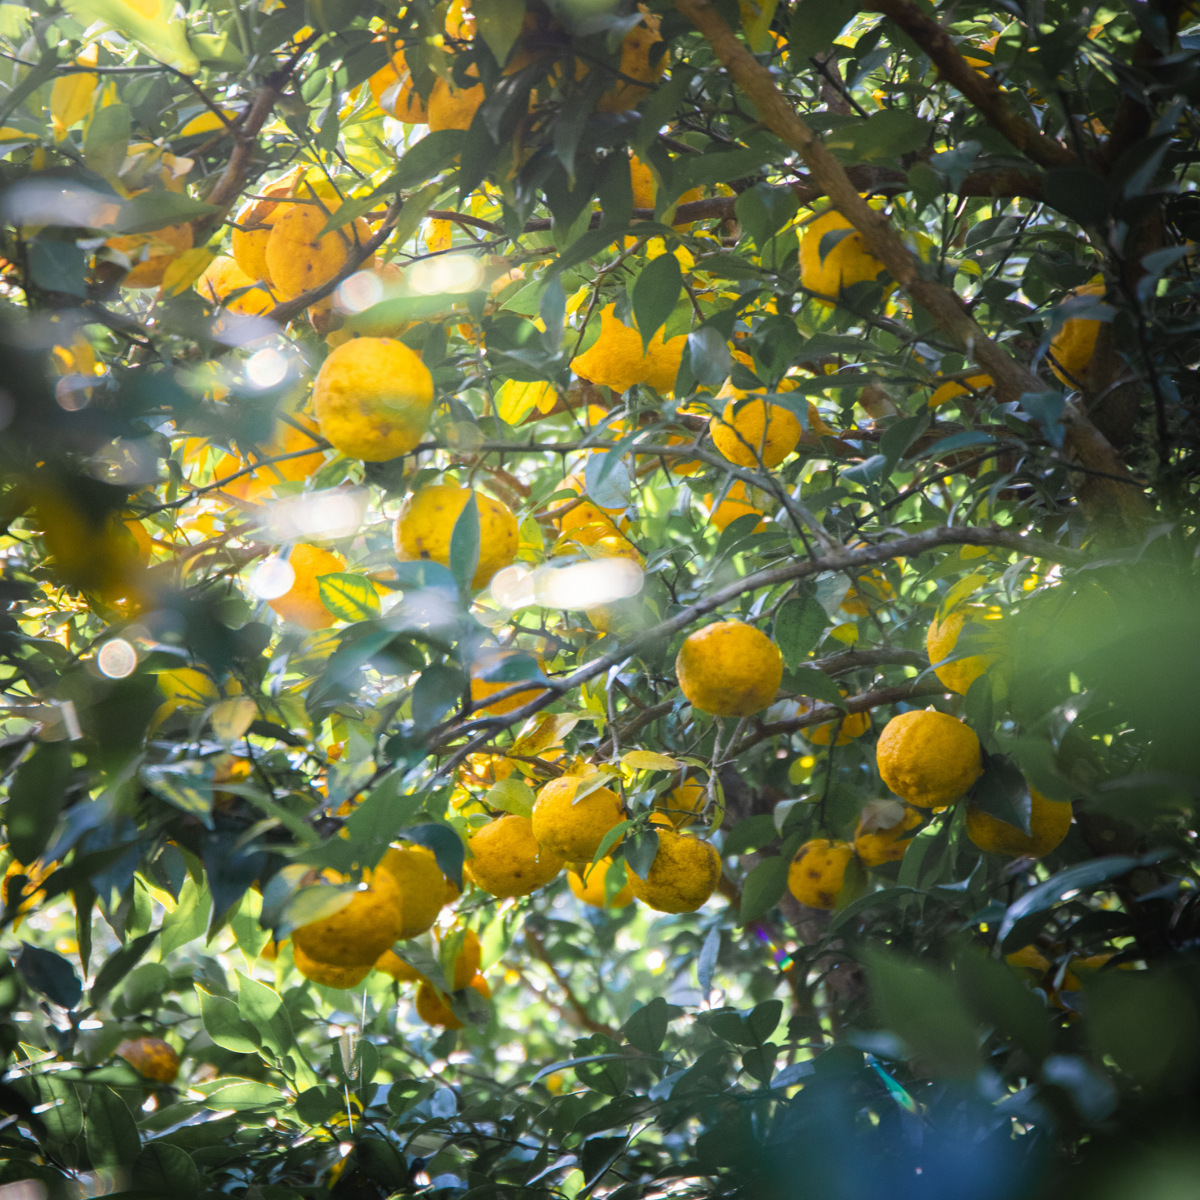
[{"x": 981, "y": 90}]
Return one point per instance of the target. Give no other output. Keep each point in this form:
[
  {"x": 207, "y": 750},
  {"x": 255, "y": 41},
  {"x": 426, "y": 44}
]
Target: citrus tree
[{"x": 599, "y": 598}]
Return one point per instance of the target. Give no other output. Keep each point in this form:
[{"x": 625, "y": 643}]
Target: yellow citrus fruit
[
  {"x": 454, "y": 108},
  {"x": 641, "y": 66},
  {"x": 947, "y": 391},
  {"x": 392, "y": 964},
  {"x": 372, "y": 399},
  {"x": 301, "y": 604},
  {"x": 928, "y": 758},
  {"x": 684, "y": 874},
  {"x": 327, "y": 974},
  {"x": 361, "y": 931},
  {"x": 223, "y": 277},
  {"x": 289, "y": 437},
  {"x": 569, "y": 830},
  {"x": 150, "y": 1057},
  {"x": 249, "y": 243},
  {"x": 616, "y": 360},
  {"x": 481, "y": 689},
  {"x": 757, "y": 430},
  {"x": 422, "y": 886},
  {"x": 151, "y": 253},
  {"x": 426, "y": 523},
  {"x": 879, "y": 845},
  {"x": 393, "y": 90},
  {"x": 1072, "y": 347},
  {"x": 818, "y": 872},
  {"x": 1049, "y": 821},
  {"x": 591, "y": 883},
  {"x": 683, "y": 804},
  {"x": 852, "y": 725},
  {"x": 299, "y": 258},
  {"x": 940, "y": 641},
  {"x": 507, "y": 860},
  {"x": 645, "y": 190},
  {"x": 736, "y": 504},
  {"x": 468, "y": 959},
  {"x": 729, "y": 669},
  {"x": 433, "y": 1008},
  {"x": 847, "y": 263}
]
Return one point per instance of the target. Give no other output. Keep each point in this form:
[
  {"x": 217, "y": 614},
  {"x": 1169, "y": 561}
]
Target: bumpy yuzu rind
[
  {"x": 1049, "y": 822},
  {"x": 574, "y": 831},
  {"x": 326, "y": 974},
  {"x": 422, "y": 886},
  {"x": 940, "y": 641},
  {"x": 928, "y": 758},
  {"x": 847, "y": 263},
  {"x": 818, "y": 872},
  {"x": 372, "y": 399},
  {"x": 756, "y": 430},
  {"x": 359, "y": 933},
  {"x": 591, "y": 886},
  {"x": 426, "y": 522},
  {"x": 684, "y": 874},
  {"x": 507, "y": 860},
  {"x": 875, "y": 847},
  {"x": 729, "y": 669}
]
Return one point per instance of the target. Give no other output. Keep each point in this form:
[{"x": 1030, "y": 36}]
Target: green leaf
[
  {"x": 63, "y": 1115},
  {"x": 992, "y": 990},
  {"x": 107, "y": 139},
  {"x": 764, "y": 888},
  {"x": 446, "y": 845},
  {"x": 815, "y": 24},
  {"x": 412, "y": 213},
  {"x": 155, "y": 209},
  {"x": 223, "y": 1023},
  {"x": 110, "y": 1130},
  {"x": 499, "y": 24},
  {"x": 438, "y": 689},
  {"x": 922, "y": 1006},
  {"x": 119, "y": 965},
  {"x": 50, "y": 974},
  {"x": 764, "y": 210},
  {"x": 1003, "y": 792},
  {"x": 422, "y": 960},
  {"x": 647, "y": 1027},
  {"x": 187, "y": 785},
  {"x": 430, "y": 155},
  {"x": 752, "y": 833},
  {"x": 641, "y": 849},
  {"x": 799, "y": 624},
  {"x": 35, "y": 799},
  {"x": 239, "y": 1094},
  {"x": 654, "y": 295},
  {"x": 189, "y": 920},
  {"x": 886, "y": 134},
  {"x": 166, "y": 1170},
  {"x": 160, "y": 34},
  {"x": 812, "y": 681},
  {"x": 263, "y": 1008},
  {"x": 382, "y": 318},
  {"x": 349, "y": 597},
  {"x": 464, "y": 545},
  {"x": 512, "y": 796},
  {"x": 250, "y": 935}
]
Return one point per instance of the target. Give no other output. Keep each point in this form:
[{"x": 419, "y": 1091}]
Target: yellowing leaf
[
  {"x": 71, "y": 100},
  {"x": 186, "y": 269},
  {"x": 232, "y": 717},
  {"x": 437, "y": 235},
  {"x": 960, "y": 591},
  {"x": 206, "y": 122},
  {"x": 542, "y": 732},
  {"x": 517, "y": 398},
  {"x": 349, "y": 597},
  {"x": 648, "y": 760},
  {"x": 152, "y": 23}
]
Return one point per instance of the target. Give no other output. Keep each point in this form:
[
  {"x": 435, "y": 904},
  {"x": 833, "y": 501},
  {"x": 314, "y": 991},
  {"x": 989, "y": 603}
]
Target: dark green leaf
[
  {"x": 655, "y": 293},
  {"x": 763, "y": 889},
  {"x": 641, "y": 849},
  {"x": 464, "y": 545},
  {"x": 811, "y": 681},
  {"x": 35, "y": 799},
  {"x": 167, "y": 1170},
  {"x": 119, "y": 965},
  {"x": 223, "y": 1023},
  {"x": 446, "y": 845},
  {"x": 107, "y": 140},
  {"x": 50, "y": 974},
  {"x": 438, "y": 689},
  {"x": 799, "y": 624},
  {"x": 815, "y": 24},
  {"x": 647, "y": 1027},
  {"x": 110, "y": 1130},
  {"x": 997, "y": 996},
  {"x": 1003, "y": 792},
  {"x": 156, "y": 209},
  {"x": 188, "y": 785}
]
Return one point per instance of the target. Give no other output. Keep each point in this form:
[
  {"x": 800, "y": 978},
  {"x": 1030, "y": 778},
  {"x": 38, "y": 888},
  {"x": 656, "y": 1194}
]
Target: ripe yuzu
[
  {"x": 729, "y": 669},
  {"x": 302, "y": 604},
  {"x": 817, "y": 874},
  {"x": 684, "y": 874},
  {"x": 573, "y": 830},
  {"x": 507, "y": 860},
  {"x": 426, "y": 522},
  {"x": 928, "y": 758}
]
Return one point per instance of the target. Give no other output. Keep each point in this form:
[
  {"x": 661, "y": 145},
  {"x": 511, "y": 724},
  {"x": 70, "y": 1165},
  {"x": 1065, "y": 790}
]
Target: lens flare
[
  {"x": 272, "y": 578},
  {"x": 117, "y": 658}
]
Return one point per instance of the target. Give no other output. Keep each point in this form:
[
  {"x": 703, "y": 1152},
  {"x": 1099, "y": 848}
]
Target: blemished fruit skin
[
  {"x": 875, "y": 847},
  {"x": 848, "y": 263},
  {"x": 359, "y": 933},
  {"x": 453, "y": 108},
  {"x": 756, "y": 430},
  {"x": 301, "y": 604},
  {"x": 616, "y": 360},
  {"x": 481, "y": 689},
  {"x": 928, "y": 758},
  {"x": 299, "y": 258},
  {"x": 422, "y": 887},
  {"x": 818, "y": 872},
  {"x": 592, "y": 886},
  {"x": 150, "y": 1057},
  {"x": 372, "y": 399},
  {"x": 432, "y": 1007},
  {"x": 393, "y": 90},
  {"x": 940, "y": 641},
  {"x": 729, "y": 669},
  {"x": 426, "y": 523},
  {"x": 1049, "y": 821},
  {"x": 507, "y": 860},
  {"x": 684, "y": 874},
  {"x": 636, "y": 65},
  {"x": 574, "y": 831},
  {"x": 326, "y": 974}
]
